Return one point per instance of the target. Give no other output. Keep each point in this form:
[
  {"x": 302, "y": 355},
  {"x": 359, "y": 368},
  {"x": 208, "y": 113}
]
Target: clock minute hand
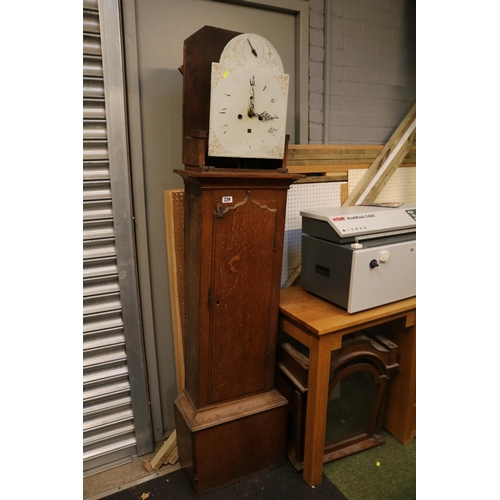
[{"x": 254, "y": 52}]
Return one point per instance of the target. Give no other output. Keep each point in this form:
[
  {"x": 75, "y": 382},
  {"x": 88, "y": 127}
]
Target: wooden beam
[
  {"x": 328, "y": 177},
  {"x": 387, "y": 160},
  {"x": 165, "y": 451},
  {"x": 337, "y": 159},
  {"x": 174, "y": 229},
  {"x": 173, "y": 457},
  {"x": 336, "y": 153},
  {"x": 379, "y": 184},
  {"x": 344, "y": 193},
  {"x": 340, "y": 170}
]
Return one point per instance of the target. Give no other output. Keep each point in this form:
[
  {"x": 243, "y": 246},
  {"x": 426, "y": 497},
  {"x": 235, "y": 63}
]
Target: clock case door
[
  {"x": 244, "y": 244},
  {"x": 232, "y": 275},
  {"x": 200, "y": 50}
]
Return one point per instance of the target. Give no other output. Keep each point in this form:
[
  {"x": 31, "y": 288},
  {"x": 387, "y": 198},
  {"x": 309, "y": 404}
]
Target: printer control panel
[
  {"x": 373, "y": 222},
  {"x": 354, "y": 221}
]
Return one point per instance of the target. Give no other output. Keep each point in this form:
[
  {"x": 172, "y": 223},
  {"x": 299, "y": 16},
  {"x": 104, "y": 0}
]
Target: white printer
[{"x": 359, "y": 257}]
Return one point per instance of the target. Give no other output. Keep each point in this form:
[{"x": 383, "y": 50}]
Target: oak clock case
[
  {"x": 249, "y": 93},
  {"x": 230, "y": 419}
]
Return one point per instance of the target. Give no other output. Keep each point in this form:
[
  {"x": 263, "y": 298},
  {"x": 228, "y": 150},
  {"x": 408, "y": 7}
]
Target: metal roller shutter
[{"x": 109, "y": 427}]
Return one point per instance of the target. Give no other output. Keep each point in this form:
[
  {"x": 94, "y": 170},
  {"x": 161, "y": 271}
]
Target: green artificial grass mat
[{"x": 359, "y": 477}]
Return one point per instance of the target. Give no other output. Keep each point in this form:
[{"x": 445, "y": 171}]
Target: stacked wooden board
[{"x": 336, "y": 160}]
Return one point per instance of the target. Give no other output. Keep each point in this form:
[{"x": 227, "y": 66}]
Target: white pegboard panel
[
  {"x": 402, "y": 185},
  {"x": 307, "y": 196}
]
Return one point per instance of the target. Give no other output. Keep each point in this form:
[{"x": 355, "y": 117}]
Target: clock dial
[{"x": 248, "y": 101}]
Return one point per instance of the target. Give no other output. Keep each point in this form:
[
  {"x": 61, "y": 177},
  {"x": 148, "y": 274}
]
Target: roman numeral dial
[{"x": 248, "y": 100}]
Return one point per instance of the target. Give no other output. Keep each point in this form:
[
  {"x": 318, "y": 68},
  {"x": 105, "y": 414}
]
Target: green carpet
[{"x": 359, "y": 477}]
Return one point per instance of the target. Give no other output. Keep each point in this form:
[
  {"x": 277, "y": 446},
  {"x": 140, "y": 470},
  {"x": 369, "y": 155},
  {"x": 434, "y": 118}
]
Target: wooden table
[{"x": 320, "y": 326}]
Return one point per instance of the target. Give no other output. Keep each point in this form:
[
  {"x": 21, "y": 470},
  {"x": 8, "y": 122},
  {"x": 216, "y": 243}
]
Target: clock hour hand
[
  {"x": 252, "y": 104},
  {"x": 251, "y": 112}
]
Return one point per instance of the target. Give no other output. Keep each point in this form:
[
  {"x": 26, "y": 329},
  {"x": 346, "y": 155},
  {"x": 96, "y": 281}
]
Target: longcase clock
[{"x": 230, "y": 420}]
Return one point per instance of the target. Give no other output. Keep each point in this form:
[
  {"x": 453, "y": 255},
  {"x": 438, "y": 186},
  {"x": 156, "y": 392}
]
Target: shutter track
[{"x": 108, "y": 425}]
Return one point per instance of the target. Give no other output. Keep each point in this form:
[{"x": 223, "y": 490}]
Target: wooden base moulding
[{"x": 225, "y": 443}]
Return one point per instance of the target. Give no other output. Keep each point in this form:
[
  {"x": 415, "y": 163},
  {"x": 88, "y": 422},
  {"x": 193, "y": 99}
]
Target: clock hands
[
  {"x": 264, "y": 116},
  {"x": 254, "y": 52}
]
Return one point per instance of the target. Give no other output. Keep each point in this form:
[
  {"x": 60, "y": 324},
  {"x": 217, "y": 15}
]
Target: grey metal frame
[
  {"x": 138, "y": 193},
  {"x": 116, "y": 118}
]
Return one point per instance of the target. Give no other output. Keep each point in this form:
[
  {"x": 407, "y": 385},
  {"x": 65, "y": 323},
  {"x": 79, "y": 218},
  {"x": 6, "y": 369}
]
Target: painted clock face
[{"x": 248, "y": 104}]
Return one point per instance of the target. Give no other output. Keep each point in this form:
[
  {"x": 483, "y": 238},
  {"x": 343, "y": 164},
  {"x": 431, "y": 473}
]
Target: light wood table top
[{"x": 319, "y": 317}]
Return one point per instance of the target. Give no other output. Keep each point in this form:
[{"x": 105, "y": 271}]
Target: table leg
[
  {"x": 400, "y": 411},
  {"x": 317, "y": 401}
]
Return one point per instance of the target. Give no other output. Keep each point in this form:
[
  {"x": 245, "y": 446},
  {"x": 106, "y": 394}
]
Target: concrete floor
[{"x": 125, "y": 476}]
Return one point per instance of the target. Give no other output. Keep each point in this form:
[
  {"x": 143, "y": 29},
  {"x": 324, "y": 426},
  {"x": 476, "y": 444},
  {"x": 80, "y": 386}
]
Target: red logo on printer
[{"x": 337, "y": 219}]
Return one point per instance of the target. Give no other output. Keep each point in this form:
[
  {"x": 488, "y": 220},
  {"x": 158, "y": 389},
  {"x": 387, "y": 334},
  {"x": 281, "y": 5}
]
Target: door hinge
[
  {"x": 209, "y": 301},
  {"x": 274, "y": 243},
  {"x": 267, "y": 357}
]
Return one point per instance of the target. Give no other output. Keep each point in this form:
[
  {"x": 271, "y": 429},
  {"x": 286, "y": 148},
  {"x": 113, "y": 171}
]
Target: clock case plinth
[{"x": 230, "y": 420}]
